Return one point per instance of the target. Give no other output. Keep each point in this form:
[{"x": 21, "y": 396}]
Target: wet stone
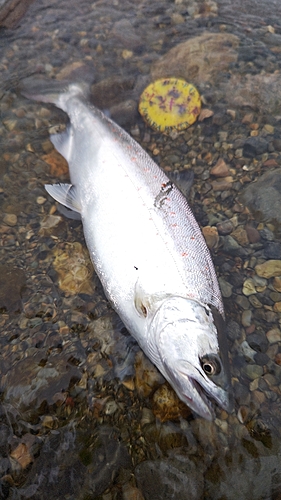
[
  {"x": 74, "y": 461},
  {"x": 216, "y": 48},
  {"x": 11, "y": 286},
  {"x": 246, "y": 317},
  {"x": 10, "y": 219},
  {"x": 267, "y": 234},
  {"x": 231, "y": 246},
  {"x": 249, "y": 287},
  {"x": 168, "y": 478},
  {"x": 242, "y": 302},
  {"x": 272, "y": 250},
  {"x": 167, "y": 406},
  {"x": 253, "y": 234},
  {"x": 211, "y": 236},
  {"x": 263, "y": 197},
  {"x": 255, "y": 301},
  {"x": 254, "y": 146},
  {"x": 274, "y": 335},
  {"x": 258, "y": 341},
  {"x": 233, "y": 330},
  {"x": 269, "y": 269},
  {"x": 253, "y": 371},
  {"x": 225, "y": 227},
  {"x": 247, "y": 351},
  {"x": 35, "y": 381},
  {"x": 226, "y": 288}
]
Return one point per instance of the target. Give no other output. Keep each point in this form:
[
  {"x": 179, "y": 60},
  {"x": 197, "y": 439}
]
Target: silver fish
[{"x": 147, "y": 250}]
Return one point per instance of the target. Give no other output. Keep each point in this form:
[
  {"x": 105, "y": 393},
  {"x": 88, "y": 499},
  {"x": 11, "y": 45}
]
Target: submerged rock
[
  {"x": 263, "y": 197},
  {"x": 199, "y": 59},
  {"x": 74, "y": 462},
  {"x": 261, "y": 92},
  {"x": 11, "y": 285},
  {"x": 11, "y": 12},
  {"x": 74, "y": 268},
  {"x": 176, "y": 477},
  {"x": 36, "y": 383}
]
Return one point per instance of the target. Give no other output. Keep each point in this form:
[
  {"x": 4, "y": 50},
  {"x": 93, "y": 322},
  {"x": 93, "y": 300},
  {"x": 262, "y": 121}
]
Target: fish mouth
[
  {"x": 198, "y": 395},
  {"x": 197, "y": 399},
  {"x": 191, "y": 392}
]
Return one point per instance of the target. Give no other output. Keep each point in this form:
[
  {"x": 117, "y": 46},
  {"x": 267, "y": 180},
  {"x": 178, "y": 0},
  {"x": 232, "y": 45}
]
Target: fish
[{"x": 146, "y": 248}]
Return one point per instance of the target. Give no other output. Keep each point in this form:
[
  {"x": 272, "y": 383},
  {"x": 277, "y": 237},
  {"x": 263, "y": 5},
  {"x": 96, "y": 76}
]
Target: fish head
[{"x": 187, "y": 350}]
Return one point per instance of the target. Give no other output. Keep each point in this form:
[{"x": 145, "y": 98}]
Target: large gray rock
[
  {"x": 176, "y": 478},
  {"x": 263, "y": 198},
  {"x": 200, "y": 59},
  {"x": 248, "y": 477},
  {"x": 261, "y": 92}
]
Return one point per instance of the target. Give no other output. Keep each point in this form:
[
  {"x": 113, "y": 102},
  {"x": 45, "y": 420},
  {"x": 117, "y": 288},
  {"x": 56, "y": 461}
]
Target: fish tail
[{"x": 56, "y": 92}]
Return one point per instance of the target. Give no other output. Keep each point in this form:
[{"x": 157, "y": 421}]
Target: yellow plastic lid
[{"x": 170, "y": 104}]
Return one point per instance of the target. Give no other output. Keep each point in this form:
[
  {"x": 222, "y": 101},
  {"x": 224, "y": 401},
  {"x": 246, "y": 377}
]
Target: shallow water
[{"x": 83, "y": 413}]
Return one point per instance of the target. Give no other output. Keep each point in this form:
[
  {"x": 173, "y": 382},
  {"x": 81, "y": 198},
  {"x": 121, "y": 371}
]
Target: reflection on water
[{"x": 84, "y": 414}]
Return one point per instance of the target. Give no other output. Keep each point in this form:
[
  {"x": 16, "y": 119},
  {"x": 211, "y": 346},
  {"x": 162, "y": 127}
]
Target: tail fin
[{"x": 53, "y": 91}]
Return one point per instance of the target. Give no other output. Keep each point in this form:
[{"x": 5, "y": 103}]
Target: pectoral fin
[
  {"x": 66, "y": 194},
  {"x": 63, "y": 142}
]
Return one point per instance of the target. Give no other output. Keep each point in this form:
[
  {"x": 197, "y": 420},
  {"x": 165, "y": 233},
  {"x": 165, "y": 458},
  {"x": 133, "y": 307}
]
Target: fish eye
[{"x": 211, "y": 365}]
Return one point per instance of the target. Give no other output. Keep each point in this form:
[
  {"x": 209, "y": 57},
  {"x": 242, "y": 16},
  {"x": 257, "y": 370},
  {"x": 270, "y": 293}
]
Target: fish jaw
[{"x": 183, "y": 342}]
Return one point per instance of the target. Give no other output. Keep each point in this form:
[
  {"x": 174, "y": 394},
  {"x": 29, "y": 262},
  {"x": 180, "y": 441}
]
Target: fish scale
[{"x": 147, "y": 250}]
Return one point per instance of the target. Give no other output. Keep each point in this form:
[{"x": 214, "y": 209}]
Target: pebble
[
  {"x": 242, "y": 302},
  {"x": 255, "y": 301},
  {"x": 248, "y": 118},
  {"x": 253, "y": 371},
  {"x": 253, "y": 234},
  {"x": 269, "y": 269},
  {"x": 258, "y": 341},
  {"x": 240, "y": 235},
  {"x": 246, "y": 317},
  {"x": 254, "y": 146},
  {"x": 131, "y": 493},
  {"x": 225, "y": 227},
  {"x": 10, "y": 219},
  {"x": 230, "y": 245},
  {"x": 277, "y": 307},
  {"x": 220, "y": 169},
  {"x": 233, "y": 330},
  {"x": 249, "y": 287},
  {"x": 167, "y": 406},
  {"x": 277, "y": 283},
  {"x": 222, "y": 184},
  {"x": 211, "y": 236},
  {"x": 41, "y": 200},
  {"x": 272, "y": 250},
  {"x": 226, "y": 288},
  {"x": 247, "y": 351}
]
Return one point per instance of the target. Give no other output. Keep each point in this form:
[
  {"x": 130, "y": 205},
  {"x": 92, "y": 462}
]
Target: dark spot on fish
[
  {"x": 136, "y": 268},
  {"x": 166, "y": 188}
]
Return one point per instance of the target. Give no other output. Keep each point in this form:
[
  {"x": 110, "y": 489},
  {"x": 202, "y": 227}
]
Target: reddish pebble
[
  {"x": 278, "y": 358},
  {"x": 220, "y": 169},
  {"x": 271, "y": 163},
  {"x": 253, "y": 234},
  {"x": 250, "y": 329}
]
